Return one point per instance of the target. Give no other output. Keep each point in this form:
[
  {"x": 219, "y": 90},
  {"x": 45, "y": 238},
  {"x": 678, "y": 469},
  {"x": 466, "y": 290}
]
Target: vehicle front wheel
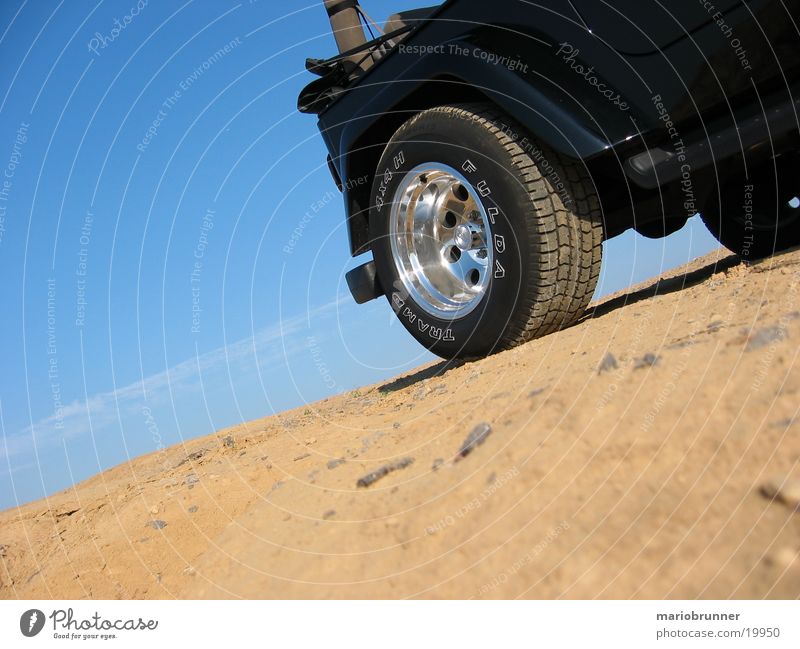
[{"x": 482, "y": 239}]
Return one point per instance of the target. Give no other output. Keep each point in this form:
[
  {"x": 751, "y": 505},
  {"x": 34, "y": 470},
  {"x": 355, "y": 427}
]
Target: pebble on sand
[
  {"x": 377, "y": 474},
  {"x": 648, "y": 360},
  {"x": 765, "y": 337},
  {"x": 157, "y": 524},
  {"x": 228, "y": 442},
  {"x": 192, "y": 457},
  {"x": 332, "y": 464},
  {"x": 784, "y": 490},
  {"x": 476, "y": 437},
  {"x": 608, "y": 363}
]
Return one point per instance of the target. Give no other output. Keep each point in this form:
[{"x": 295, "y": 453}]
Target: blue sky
[{"x": 151, "y": 193}]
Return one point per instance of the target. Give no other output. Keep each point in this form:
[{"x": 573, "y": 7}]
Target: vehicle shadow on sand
[
  {"x": 663, "y": 286},
  {"x": 437, "y": 369}
]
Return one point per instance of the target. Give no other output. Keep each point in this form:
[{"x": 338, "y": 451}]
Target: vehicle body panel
[{"x": 595, "y": 81}]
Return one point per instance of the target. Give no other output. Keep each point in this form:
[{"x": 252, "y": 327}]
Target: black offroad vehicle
[{"x": 486, "y": 148}]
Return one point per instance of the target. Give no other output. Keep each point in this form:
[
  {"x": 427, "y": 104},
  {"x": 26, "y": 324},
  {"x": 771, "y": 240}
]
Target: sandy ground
[{"x": 667, "y": 469}]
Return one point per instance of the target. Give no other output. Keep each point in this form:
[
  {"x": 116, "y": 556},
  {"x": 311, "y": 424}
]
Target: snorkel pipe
[{"x": 347, "y": 30}]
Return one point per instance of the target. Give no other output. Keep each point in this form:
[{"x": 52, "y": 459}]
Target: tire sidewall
[{"x": 476, "y": 153}]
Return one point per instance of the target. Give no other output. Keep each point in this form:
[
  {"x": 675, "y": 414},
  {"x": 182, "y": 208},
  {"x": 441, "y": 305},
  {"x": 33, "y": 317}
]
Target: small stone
[
  {"x": 191, "y": 479},
  {"x": 189, "y": 570},
  {"x": 438, "y": 389},
  {"x": 492, "y": 478},
  {"x": 193, "y": 509},
  {"x": 332, "y": 464},
  {"x": 277, "y": 485},
  {"x": 228, "y": 442},
  {"x": 377, "y": 474},
  {"x": 764, "y": 337},
  {"x": 648, "y": 360},
  {"x": 192, "y": 457},
  {"x": 329, "y": 514},
  {"x": 608, "y": 363},
  {"x": 396, "y": 424},
  {"x": 535, "y": 393},
  {"x": 302, "y": 456},
  {"x": 3, "y": 550},
  {"x": 786, "y": 558},
  {"x": 154, "y": 509},
  {"x": 311, "y": 440},
  {"x": 476, "y": 437},
  {"x": 784, "y": 423},
  {"x": 437, "y": 463},
  {"x": 157, "y": 524},
  {"x": 783, "y": 490}
]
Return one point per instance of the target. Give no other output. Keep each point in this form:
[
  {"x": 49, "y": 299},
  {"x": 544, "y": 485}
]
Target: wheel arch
[{"x": 553, "y": 125}]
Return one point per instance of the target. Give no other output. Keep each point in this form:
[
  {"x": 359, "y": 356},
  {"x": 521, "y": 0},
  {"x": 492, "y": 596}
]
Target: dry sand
[{"x": 670, "y": 475}]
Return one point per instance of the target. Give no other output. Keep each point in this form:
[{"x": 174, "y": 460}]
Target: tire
[
  {"x": 760, "y": 215},
  {"x": 482, "y": 239}
]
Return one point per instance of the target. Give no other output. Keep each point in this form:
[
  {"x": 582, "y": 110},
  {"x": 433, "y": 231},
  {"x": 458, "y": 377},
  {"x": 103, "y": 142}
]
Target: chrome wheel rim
[{"x": 441, "y": 241}]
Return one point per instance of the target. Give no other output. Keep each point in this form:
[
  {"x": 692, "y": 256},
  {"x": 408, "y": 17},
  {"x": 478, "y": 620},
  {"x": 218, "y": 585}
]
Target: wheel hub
[
  {"x": 463, "y": 237},
  {"x": 438, "y": 230}
]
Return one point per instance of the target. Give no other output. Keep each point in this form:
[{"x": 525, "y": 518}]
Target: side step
[
  {"x": 363, "y": 283},
  {"x": 656, "y": 166}
]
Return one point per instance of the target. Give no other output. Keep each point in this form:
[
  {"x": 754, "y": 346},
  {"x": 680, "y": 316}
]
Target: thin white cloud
[{"x": 264, "y": 349}]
